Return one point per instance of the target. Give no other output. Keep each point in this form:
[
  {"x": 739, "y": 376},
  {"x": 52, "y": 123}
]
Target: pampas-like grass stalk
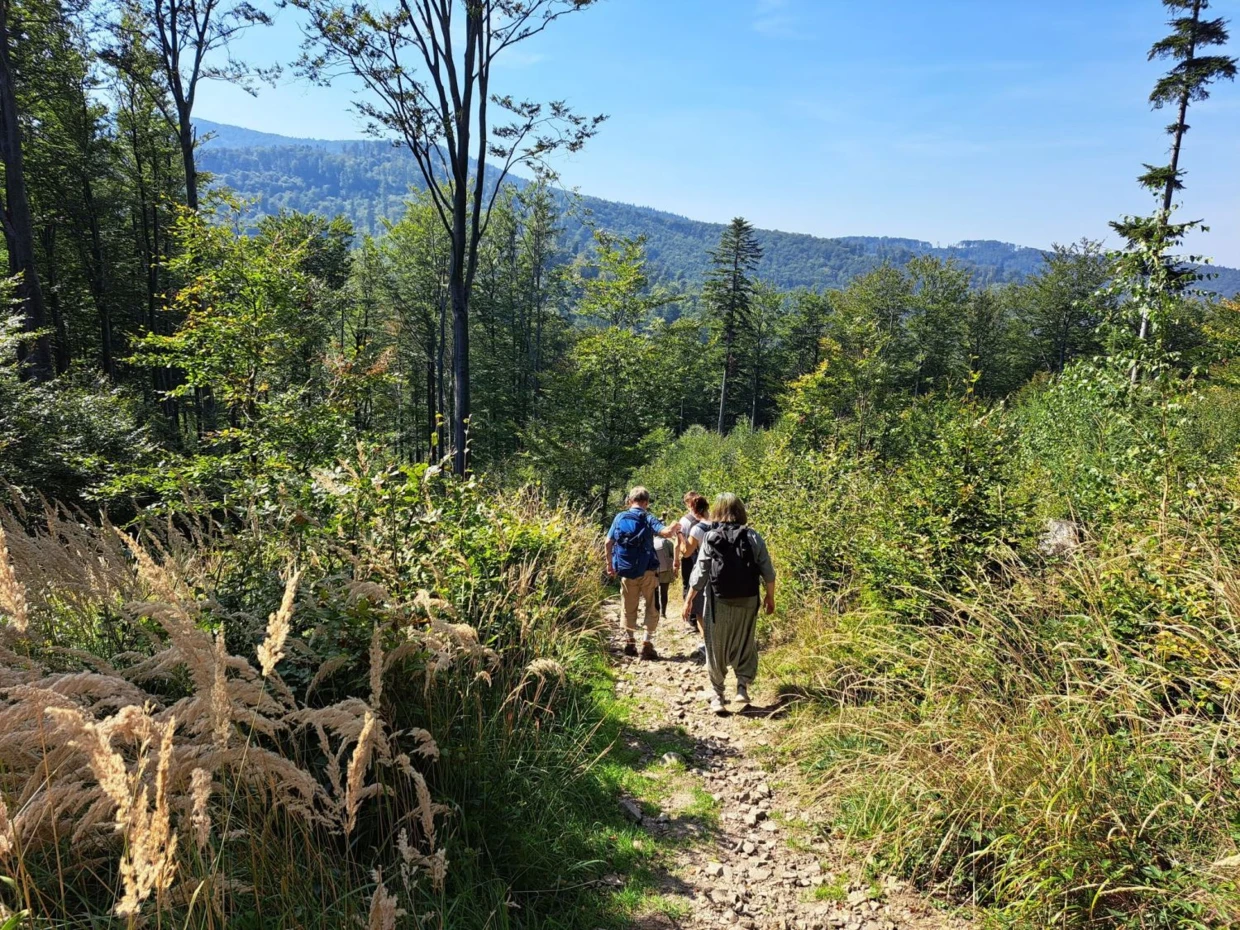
[
  {"x": 200, "y": 816},
  {"x": 220, "y": 704},
  {"x": 271, "y": 650},
  {"x": 149, "y": 861},
  {"x": 6, "y": 832},
  {"x": 355, "y": 776},
  {"x": 12, "y": 592},
  {"x": 383, "y": 907}
]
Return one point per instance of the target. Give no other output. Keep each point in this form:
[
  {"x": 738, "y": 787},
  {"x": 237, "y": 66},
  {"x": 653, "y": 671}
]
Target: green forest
[
  {"x": 303, "y": 613},
  {"x": 369, "y": 182}
]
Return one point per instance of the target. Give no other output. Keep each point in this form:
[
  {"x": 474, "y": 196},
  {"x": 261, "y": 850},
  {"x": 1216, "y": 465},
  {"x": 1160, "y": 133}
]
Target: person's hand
[
  {"x": 687, "y": 610},
  {"x": 676, "y": 566},
  {"x": 770, "y": 603},
  {"x": 611, "y": 571}
]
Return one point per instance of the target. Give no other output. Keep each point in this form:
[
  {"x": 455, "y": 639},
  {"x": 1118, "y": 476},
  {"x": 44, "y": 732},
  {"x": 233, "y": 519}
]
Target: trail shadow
[
  {"x": 773, "y": 711},
  {"x": 792, "y": 693}
]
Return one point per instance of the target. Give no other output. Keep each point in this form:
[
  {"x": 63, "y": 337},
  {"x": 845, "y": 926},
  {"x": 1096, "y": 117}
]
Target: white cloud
[{"x": 776, "y": 19}]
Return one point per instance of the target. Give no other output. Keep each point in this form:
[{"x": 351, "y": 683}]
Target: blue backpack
[{"x": 634, "y": 544}]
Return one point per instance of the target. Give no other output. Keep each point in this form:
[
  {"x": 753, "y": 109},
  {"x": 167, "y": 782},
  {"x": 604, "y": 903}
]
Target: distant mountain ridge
[{"x": 368, "y": 181}]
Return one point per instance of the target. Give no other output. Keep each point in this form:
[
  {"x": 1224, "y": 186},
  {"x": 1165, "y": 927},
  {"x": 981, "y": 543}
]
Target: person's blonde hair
[
  {"x": 639, "y": 495},
  {"x": 729, "y": 508}
]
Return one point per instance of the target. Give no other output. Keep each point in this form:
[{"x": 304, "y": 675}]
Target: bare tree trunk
[
  {"x": 432, "y": 392},
  {"x": 185, "y": 138},
  {"x": 442, "y": 418},
  {"x": 98, "y": 278},
  {"x": 460, "y": 371},
  {"x": 35, "y": 355},
  {"x": 723, "y": 388},
  {"x": 61, "y": 355},
  {"x": 757, "y": 381}
]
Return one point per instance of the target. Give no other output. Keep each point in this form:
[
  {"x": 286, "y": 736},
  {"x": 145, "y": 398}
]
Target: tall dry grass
[
  {"x": 138, "y": 783},
  {"x": 185, "y": 740},
  {"x": 1060, "y": 746}
]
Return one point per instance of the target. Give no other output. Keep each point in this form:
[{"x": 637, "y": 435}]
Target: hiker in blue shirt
[{"x": 631, "y": 555}]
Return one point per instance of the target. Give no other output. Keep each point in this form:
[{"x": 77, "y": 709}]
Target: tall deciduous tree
[
  {"x": 728, "y": 295},
  {"x": 766, "y": 316},
  {"x": 19, "y": 231},
  {"x": 187, "y": 38},
  {"x": 427, "y": 65},
  {"x": 615, "y": 289},
  {"x": 936, "y": 321},
  {"x": 598, "y": 423},
  {"x": 807, "y": 322},
  {"x": 1061, "y": 306}
]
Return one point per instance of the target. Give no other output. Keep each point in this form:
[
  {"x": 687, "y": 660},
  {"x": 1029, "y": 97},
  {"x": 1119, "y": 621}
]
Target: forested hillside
[
  {"x": 368, "y": 181},
  {"x": 307, "y": 615}
]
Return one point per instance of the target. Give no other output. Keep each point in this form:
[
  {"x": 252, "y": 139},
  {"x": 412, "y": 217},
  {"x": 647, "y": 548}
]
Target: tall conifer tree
[{"x": 728, "y": 294}]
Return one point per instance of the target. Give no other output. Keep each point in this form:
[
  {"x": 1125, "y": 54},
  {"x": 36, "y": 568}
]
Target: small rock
[
  {"x": 1060, "y": 538},
  {"x": 673, "y": 758},
  {"x": 632, "y": 809}
]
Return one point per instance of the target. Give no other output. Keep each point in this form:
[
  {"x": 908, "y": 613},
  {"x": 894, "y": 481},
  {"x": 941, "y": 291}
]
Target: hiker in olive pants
[{"x": 733, "y": 561}]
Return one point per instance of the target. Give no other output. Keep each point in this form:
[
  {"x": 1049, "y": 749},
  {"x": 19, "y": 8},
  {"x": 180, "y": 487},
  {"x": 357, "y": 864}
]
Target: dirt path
[{"x": 745, "y": 856}]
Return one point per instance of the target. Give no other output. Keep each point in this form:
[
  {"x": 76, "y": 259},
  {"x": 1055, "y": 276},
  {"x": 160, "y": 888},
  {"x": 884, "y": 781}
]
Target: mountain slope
[{"x": 367, "y": 181}]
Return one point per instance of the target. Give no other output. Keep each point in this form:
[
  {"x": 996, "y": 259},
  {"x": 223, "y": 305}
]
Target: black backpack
[{"x": 734, "y": 566}]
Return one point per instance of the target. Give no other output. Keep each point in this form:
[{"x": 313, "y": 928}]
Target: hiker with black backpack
[
  {"x": 631, "y": 556},
  {"x": 732, "y": 567}
]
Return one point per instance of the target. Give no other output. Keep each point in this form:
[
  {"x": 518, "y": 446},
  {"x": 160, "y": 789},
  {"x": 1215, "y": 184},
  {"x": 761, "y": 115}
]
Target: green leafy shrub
[{"x": 441, "y": 610}]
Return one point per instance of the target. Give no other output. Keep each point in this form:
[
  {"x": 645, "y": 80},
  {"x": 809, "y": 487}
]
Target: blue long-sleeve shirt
[{"x": 656, "y": 526}]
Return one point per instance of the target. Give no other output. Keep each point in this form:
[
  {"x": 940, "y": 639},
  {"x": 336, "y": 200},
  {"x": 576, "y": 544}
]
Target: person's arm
[
  {"x": 690, "y": 597},
  {"x": 608, "y": 549},
  {"x": 697, "y": 582},
  {"x": 680, "y": 539},
  {"x": 766, "y": 568}
]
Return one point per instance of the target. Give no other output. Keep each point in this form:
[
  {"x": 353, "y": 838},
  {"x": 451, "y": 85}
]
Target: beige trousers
[{"x": 633, "y": 590}]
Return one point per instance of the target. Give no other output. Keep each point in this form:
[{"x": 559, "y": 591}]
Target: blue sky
[{"x": 932, "y": 119}]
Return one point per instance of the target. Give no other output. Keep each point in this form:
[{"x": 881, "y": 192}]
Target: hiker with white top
[
  {"x": 732, "y": 567},
  {"x": 665, "y": 549},
  {"x": 693, "y": 527},
  {"x": 631, "y": 555}
]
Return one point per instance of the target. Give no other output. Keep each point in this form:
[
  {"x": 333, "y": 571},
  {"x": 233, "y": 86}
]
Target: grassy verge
[
  {"x": 1049, "y": 731},
  {"x": 425, "y": 722}
]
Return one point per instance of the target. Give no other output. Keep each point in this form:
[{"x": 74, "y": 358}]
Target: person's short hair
[
  {"x": 700, "y": 505},
  {"x": 729, "y": 508},
  {"x": 690, "y": 497},
  {"x": 639, "y": 495}
]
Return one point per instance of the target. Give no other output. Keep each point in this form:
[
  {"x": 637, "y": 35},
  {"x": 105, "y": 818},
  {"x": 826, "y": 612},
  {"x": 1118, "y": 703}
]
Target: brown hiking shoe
[
  {"x": 648, "y": 650},
  {"x": 630, "y": 648}
]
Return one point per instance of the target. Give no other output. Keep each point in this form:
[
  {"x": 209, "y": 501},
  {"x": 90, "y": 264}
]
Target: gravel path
[{"x": 751, "y": 862}]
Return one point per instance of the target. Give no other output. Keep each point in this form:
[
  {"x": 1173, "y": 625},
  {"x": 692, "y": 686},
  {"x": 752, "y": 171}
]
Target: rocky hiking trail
[{"x": 742, "y": 851}]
